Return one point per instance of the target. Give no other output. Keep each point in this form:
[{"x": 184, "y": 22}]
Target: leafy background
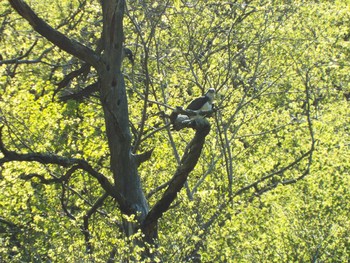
[{"x": 281, "y": 72}]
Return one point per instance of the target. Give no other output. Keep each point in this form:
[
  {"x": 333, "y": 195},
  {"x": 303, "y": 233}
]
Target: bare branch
[
  {"x": 87, "y": 216},
  {"x": 43, "y": 180},
  {"x": 84, "y": 69},
  {"x": 64, "y": 204},
  {"x": 269, "y": 176},
  {"x": 63, "y": 83},
  {"x": 158, "y": 188},
  {"x": 82, "y": 94},
  {"x": 69, "y": 45},
  {"x": 20, "y": 60},
  {"x": 10, "y": 156},
  {"x": 143, "y": 157}
]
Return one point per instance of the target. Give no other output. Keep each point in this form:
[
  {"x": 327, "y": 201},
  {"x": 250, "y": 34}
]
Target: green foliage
[{"x": 281, "y": 72}]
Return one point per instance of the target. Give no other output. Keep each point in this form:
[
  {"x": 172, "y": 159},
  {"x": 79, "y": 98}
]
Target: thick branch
[
  {"x": 10, "y": 156},
  {"x": 82, "y": 94},
  {"x": 271, "y": 175},
  {"x": 67, "y": 79},
  {"x": 143, "y": 157},
  {"x": 71, "y": 46},
  {"x": 187, "y": 164},
  {"x": 181, "y": 118},
  {"x": 55, "y": 179},
  {"x": 37, "y": 157}
]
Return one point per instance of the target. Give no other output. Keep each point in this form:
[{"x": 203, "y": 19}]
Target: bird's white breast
[{"x": 206, "y": 107}]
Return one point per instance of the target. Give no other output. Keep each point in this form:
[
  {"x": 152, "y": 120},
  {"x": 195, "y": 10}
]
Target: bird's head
[{"x": 210, "y": 94}]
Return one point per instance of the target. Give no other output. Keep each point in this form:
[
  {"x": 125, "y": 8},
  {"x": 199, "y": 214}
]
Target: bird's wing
[{"x": 197, "y": 103}]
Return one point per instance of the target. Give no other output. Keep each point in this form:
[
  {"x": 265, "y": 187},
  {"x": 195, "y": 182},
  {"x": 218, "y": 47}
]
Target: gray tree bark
[{"x": 115, "y": 106}]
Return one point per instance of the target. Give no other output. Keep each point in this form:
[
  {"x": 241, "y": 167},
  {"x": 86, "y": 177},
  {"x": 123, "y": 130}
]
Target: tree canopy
[{"x": 92, "y": 170}]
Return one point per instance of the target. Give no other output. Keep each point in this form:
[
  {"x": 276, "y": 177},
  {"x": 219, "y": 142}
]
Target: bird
[{"x": 203, "y": 103}]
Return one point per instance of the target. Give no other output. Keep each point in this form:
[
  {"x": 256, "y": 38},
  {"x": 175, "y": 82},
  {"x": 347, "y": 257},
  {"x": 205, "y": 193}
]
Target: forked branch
[{"x": 69, "y": 45}]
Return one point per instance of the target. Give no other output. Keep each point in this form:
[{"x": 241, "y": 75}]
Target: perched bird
[
  {"x": 203, "y": 103},
  {"x": 128, "y": 53}
]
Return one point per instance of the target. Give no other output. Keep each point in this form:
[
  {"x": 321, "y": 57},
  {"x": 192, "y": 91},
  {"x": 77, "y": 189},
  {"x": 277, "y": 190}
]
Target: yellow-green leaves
[{"x": 276, "y": 66}]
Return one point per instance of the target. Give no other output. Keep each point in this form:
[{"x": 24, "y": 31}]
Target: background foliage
[{"x": 281, "y": 72}]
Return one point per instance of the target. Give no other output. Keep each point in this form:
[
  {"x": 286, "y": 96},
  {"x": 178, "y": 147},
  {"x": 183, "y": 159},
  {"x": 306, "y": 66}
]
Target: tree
[
  {"x": 264, "y": 125},
  {"x": 126, "y": 187}
]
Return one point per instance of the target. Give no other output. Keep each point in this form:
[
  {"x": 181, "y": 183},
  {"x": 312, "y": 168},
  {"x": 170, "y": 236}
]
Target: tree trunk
[{"x": 115, "y": 106}]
